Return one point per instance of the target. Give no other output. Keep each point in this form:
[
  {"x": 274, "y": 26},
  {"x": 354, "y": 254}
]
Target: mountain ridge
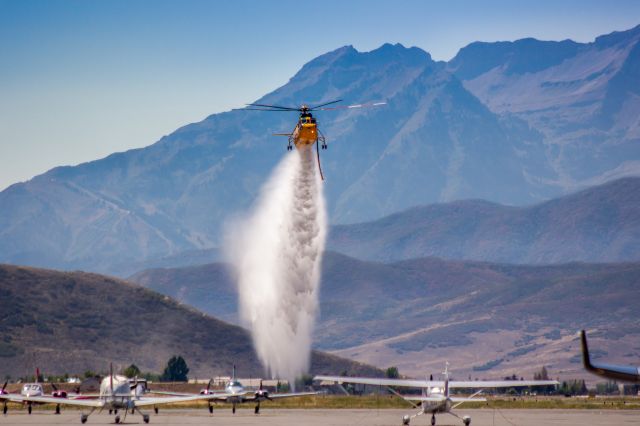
[{"x": 599, "y": 224}]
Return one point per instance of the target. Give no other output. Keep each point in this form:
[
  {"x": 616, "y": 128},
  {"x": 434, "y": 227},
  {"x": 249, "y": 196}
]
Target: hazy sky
[{"x": 80, "y": 79}]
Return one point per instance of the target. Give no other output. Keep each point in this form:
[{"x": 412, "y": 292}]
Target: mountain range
[
  {"x": 487, "y": 319},
  {"x": 514, "y": 123},
  {"x": 71, "y": 322},
  {"x": 598, "y": 224}
]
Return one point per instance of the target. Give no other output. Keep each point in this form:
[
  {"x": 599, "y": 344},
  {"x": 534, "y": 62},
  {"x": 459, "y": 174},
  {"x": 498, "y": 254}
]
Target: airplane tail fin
[
  {"x": 586, "y": 360},
  {"x": 233, "y": 377}
]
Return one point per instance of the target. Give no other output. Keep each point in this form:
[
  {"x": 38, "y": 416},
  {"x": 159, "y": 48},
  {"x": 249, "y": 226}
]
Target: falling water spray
[{"x": 277, "y": 253}]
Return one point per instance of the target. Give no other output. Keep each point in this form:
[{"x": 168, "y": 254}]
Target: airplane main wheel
[
  {"x": 210, "y": 409},
  {"x": 5, "y": 409},
  {"x": 466, "y": 420},
  {"x": 29, "y": 408},
  {"x": 145, "y": 418},
  {"x": 83, "y": 418},
  {"x": 110, "y": 411},
  {"x": 257, "y": 410},
  {"x": 156, "y": 409},
  {"x": 406, "y": 420}
]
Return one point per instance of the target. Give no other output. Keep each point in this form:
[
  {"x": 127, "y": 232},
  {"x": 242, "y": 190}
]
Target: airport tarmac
[{"x": 342, "y": 417}]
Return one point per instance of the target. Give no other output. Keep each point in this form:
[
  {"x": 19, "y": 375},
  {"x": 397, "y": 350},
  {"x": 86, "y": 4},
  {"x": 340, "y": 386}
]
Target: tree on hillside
[
  {"x": 542, "y": 374},
  {"x": 132, "y": 371},
  {"x": 176, "y": 370},
  {"x": 392, "y": 373}
]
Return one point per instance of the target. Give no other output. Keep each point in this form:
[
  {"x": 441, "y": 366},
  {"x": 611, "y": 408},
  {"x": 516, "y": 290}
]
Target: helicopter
[{"x": 306, "y": 133}]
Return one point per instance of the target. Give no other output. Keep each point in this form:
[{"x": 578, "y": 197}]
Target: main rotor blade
[
  {"x": 371, "y": 104},
  {"x": 321, "y": 105},
  {"x": 274, "y": 106},
  {"x": 265, "y": 109}
]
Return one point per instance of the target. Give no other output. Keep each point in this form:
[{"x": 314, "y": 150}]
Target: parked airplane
[
  {"x": 116, "y": 393},
  {"x": 436, "y": 396},
  {"x": 234, "y": 394},
  {"x": 625, "y": 373},
  {"x": 33, "y": 389}
]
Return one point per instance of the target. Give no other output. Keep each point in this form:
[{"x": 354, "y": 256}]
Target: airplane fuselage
[{"x": 431, "y": 407}]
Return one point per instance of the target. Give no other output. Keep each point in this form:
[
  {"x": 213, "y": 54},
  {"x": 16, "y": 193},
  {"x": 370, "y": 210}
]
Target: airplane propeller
[
  {"x": 111, "y": 377},
  {"x": 263, "y": 393}
]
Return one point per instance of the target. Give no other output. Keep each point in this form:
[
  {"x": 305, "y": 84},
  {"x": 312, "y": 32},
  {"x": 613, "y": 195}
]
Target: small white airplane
[
  {"x": 234, "y": 394},
  {"x": 116, "y": 393},
  {"x": 435, "y": 396},
  {"x": 30, "y": 390}
]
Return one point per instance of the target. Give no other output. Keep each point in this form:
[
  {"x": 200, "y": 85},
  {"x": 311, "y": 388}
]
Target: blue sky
[{"x": 80, "y": 79}]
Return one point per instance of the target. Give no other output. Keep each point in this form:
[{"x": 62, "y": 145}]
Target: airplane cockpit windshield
[{"x": 32, "y": 387}]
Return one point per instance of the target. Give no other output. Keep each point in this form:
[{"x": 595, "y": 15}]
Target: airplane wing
[
  {"x": 440, "y": 399},
  {"x": 382, "y": 382},
  {"x": 143, "y": 402},
  {"x": 290, "y": 395},
  {"x": 485, "y": 384},
  {"x": 437, "y": 383},
  {"x": 92, "y": 403},
  {"x": 619, "y": 372}
]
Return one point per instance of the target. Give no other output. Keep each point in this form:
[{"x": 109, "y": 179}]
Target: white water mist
[{"x": 277, "y": 253}]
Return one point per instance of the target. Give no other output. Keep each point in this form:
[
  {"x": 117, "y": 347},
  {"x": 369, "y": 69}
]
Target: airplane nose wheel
[
  {"x": 83, "y": 418},
  {"x": 433, "y": 420},
  {"x": 155, "y": 409},
  {"x": 145, "y": 418},
  {"x": 58, "y": 409},
  {"x": 117, "y": 419},
  {"x": 406, "y": 420},
  {"x": 29, "y": 408},
  {"x": 4, "y": 409},
  {"x": 466, "y": 420}
]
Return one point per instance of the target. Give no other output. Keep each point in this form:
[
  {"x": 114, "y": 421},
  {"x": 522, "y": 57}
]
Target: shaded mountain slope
[{"x": 73, "y": 322}]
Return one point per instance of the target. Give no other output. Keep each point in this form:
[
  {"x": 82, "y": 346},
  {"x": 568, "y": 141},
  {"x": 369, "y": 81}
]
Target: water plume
[{"x": 277, "y": 253}]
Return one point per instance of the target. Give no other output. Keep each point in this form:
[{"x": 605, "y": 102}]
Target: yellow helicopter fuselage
[{"x": 305, "y": 133}]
